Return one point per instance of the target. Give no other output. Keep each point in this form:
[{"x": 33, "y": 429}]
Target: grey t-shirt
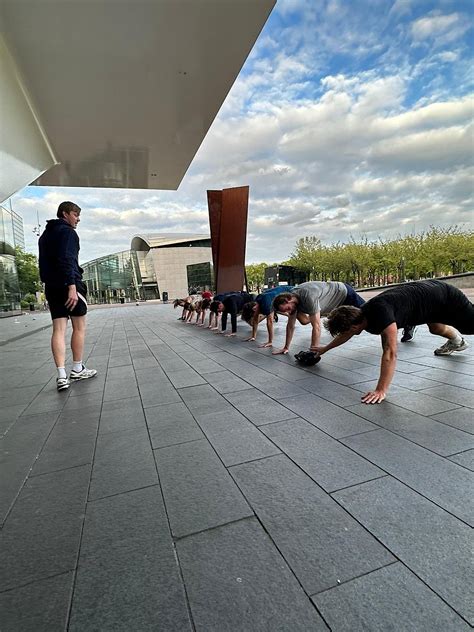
[{"x": 320, "y": 296}]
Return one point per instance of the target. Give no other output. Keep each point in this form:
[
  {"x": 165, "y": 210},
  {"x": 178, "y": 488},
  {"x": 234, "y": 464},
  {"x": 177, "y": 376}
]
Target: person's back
[
  {"x": 320, "y": 296},
  {"x": 58, "y": 254}
]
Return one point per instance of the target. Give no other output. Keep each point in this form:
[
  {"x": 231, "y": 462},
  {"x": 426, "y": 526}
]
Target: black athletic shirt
[{"x": 411, "y": 304}]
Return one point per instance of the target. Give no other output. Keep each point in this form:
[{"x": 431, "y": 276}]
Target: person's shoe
[
  {"x": 62, "y": 383},
  {"x": 450, "y": 346},
  {"x": 84, "y": 374},
  {"x": 408, "y": 334}
]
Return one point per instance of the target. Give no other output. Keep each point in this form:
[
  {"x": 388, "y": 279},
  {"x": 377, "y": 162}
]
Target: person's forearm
[
  {"x": 254, "y": 329},
  {"x": 387, "y": 369},
  {"x": 270, "y": 327},
  {"x": 315, "y": 330},
  {"x": 336, "y": 342},
  {"x": 290, "y": 329}
]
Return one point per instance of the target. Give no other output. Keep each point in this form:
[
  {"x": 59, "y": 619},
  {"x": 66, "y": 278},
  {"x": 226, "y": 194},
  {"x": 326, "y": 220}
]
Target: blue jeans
[{"x": 352, "y": 297}]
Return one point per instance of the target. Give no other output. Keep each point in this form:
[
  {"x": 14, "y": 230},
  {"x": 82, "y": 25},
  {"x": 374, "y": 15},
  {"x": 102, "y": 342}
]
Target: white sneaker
[
  {"x": 62, "y": 383},
  {"x": 84, "y": 374},
  {"x": 450, "y": 346}
]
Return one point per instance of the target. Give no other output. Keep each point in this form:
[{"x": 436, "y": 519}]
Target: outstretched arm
[
  {"x": 269, "y": 342},
  {"x": 290, "y": 329},
  {"x": 315, "y": 320},
  {"x": 387, "y": 367},
  {"x": 335, "y": 342}
]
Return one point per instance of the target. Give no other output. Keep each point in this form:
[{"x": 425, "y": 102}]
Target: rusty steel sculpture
[{"x": 228, "y": 211}]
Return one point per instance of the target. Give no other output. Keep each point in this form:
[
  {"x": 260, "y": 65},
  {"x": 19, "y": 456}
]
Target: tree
[
  {"x": 28, "y": 272},
  {"x": 255, "y": 274}
]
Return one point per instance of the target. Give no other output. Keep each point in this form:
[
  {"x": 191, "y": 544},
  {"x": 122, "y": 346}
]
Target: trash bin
[
  {"x": 165, "y": 297},
  {"x": 32, "y": 307},
  {"x": 122, "y": 299}
]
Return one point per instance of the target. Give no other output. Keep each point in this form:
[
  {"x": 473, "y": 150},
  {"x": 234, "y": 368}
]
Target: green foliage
[
  {"x": 435, "y": 252},
  {"x": 29, "y": 298},
  {"x": 255, "y": 275},
  {"x": 28, "y": 272}
]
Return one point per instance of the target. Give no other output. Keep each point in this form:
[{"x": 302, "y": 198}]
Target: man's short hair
[
  {"x": 67, "y": 207},
  {"x": 247, "y": 311},
  {"x": 280, "y": 299},
  {"x": 342, "y": 318}
]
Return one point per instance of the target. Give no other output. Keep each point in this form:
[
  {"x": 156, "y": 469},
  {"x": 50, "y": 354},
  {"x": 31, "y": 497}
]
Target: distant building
[
  {"x": 283, "y": 275},
  {"x": 200, "y": 277},
  {"x": 11, "y": 236},
  {"x": 155, "y": 264}
]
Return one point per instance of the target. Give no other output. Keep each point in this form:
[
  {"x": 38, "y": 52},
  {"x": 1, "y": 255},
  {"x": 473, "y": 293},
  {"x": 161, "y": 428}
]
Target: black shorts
[
  {"x": 460, "y": 312},
  {"x": 57, "y": 297}
]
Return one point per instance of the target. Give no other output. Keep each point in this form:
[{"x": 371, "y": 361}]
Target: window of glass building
[{"x": 113, "y": 278}]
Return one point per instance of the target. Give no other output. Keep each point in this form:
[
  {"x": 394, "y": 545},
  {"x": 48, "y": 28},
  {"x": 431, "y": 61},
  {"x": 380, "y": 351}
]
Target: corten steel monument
[{"x": 228, "y": 210}]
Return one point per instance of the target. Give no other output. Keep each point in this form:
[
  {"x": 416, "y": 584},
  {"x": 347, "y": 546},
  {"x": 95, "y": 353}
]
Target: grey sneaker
[
  {"x": 62, "y": 383},
  {"x": 450, "y": 346},
  {"x": 84, "y": 374},
  {"x": 408, "y": 334}
]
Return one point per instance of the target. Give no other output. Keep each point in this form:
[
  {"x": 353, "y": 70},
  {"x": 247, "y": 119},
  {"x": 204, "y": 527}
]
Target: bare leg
[
  {"x": 58, "y": 342},
  {"x": 442, "y": 330},
  {"x": 78, "y": 337}
]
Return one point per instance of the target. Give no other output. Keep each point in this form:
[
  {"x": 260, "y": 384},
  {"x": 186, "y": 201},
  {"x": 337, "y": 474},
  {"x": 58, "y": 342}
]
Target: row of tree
[{"x": 432, "y": 253}]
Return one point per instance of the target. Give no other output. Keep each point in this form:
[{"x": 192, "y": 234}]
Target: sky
[{"x": 348, "y": 119}]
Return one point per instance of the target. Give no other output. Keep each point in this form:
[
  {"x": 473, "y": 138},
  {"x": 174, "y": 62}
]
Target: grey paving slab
[
  {"x": 234, "y": 438},
  {"x": 432, "y": 543},
  {"x": 154, "y": 375},
  {"x": 391, "y": 598},
  {"x": 206, "y": 365},
  {"x": 443, "y": 482},
  {"x": 237, "y": 580},
  {"x": 227, "y": 382},
  {"x": 82, "y": 399},
  {"x": 120, "y": 389},
  {"x": 128, "y": 577},
  {"x": 70, "y": 444},
  {"x": 319, "y": 540},
  {"x": 171, "y": 424},
  {"x": 364, "y": 387},
  {"x": 42, "y": 533},
  {"x": 8, "y": 416},
  {"x": 289, "y": 372},
  {"x": 47, "y": 605},
  {"x": 451, "y": 394},
  {"x": 461, "y": 418},
  {"x": 342, "y": 376},
  {"x": 280, "y": 389},
  {"x": 19, "y": 449},
  {"x": 333, "y": 392},
  {"x": 87, "y": 388},
  {"x": 48, "y": 400},
  {"x": 424, "y": 431},
  {"x": 185, "y": 377},
  {"x": 121, "y": 415},
  {"x": 421, "y": 402},
  {"x": 122, "y": 359},
  {"x": 123, "y": 462},
  {"x": 328, "y": 462},
  {"x": 20, "y": 395},
  {"x": 466, "y": 459},
  {"x": 326, "y": 416},
  {"x": 199, "y": 492},
  {"x": 155, "y": 394},
  {"x": 204, "y": 399},
  {"x": 258, "y": 407},
  {"x": 446, "y": 377}
]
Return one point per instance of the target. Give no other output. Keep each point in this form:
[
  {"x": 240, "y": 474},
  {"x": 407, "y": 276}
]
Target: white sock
[
  {"x": 62, "y": 371},
  {"x": 457, "y": 340},
  {"x": 77, "y": 366}
]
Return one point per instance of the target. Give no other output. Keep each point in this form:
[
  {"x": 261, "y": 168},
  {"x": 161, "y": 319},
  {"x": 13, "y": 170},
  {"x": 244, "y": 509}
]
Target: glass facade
[
  {"x": 9, "y": 286},
  {"x": 199, "y": 277},
  {"x": 113, "y": 279}
]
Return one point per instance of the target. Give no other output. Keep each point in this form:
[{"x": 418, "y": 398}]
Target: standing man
[
  {"x": 444, "y": 308},
  {"x": 262, "y": 308},
  {"x": 65, "y": 291},
  {"x": 308, "y": 302}
]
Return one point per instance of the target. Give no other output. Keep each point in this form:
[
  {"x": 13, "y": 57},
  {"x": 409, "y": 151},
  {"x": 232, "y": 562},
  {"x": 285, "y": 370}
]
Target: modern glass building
[
  {"x": 9, "y": 286},
  {"x": 113, "y": 278},
  {"x": 200, "y": 277}
]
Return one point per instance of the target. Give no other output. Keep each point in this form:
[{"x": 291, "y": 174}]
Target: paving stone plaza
[{"x": 200, "y": 483}]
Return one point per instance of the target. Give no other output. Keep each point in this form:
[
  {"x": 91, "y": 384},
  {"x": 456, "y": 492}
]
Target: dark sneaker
[
  {"x": 408, "y": 334},
  {"x": 62, "y": 383},
  {"x": 450, "y": 346},
  {"x": 84, "y": 374}
]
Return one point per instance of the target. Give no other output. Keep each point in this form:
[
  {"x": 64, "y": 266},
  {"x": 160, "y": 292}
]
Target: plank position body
[
  {"x": 308, "y": 302},
  {"x": 262, "y": 309},
  {"x": 231, "y": 306},
  {"x": 444, "y": 308}
]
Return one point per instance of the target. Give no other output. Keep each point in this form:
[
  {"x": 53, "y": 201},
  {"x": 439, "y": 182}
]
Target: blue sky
[{"x": 348, "y": 119}]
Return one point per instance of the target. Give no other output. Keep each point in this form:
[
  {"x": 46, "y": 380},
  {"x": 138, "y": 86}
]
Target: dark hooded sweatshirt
[{"x": 58, "y": 254}]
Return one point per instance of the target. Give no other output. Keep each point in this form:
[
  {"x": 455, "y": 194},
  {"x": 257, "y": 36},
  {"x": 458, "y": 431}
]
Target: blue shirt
[{"x": 265, "y": 300}]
